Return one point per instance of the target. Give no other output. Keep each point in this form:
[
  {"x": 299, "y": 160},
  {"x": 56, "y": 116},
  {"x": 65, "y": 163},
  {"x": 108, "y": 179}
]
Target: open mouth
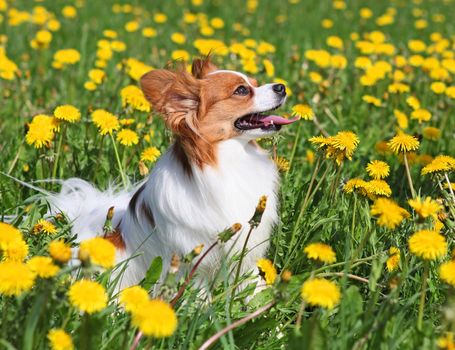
[{"x": 262, "y": 121}]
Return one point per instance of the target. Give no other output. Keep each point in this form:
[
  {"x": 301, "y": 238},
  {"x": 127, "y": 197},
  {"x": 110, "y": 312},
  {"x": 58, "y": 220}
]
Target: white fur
[{"x": 188, "y": 210}]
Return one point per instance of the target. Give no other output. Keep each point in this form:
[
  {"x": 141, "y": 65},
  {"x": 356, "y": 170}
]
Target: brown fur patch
[{"x": 116, "y": 238}]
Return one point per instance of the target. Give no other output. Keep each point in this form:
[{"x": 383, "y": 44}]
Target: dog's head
[{"x": 212, "y": 104}]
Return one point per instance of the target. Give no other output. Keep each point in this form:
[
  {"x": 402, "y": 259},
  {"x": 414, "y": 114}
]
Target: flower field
[{"x": 363, "y": 256}]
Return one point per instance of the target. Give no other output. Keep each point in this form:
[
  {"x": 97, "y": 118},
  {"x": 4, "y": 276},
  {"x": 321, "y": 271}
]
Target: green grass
[{"x": 377, "y": 311}]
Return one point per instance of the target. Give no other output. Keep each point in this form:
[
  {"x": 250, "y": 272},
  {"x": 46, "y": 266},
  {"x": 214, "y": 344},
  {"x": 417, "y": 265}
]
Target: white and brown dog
[{"x": 210, "y": 178}]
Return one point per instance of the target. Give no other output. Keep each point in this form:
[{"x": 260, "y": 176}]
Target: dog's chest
[{"x": 219, "y": 196}]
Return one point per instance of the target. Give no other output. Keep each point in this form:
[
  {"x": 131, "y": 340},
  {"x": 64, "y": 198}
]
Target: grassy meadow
[{"x": 362, "y": 255}]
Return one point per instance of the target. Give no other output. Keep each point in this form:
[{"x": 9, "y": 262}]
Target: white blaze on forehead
[{"x": 243, "y": 76}]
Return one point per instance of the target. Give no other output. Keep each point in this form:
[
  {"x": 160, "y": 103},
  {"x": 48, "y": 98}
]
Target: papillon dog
[{"x": 210, "y": 178}]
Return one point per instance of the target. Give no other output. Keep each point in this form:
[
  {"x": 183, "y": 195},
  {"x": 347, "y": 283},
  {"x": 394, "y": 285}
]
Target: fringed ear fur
[{"x": 202, "y": 67}]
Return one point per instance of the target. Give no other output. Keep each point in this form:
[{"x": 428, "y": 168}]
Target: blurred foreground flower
[
  {"x": 428, "y": 245},
  {"x": 267, "y": 270},
  {"x": 155, "y": 318},
  {"x": 15, "y": 278},
  {"x": 88, "y": 296},
  {"x": 60, "y": 340},
  {"x": 320, "y": 292},
  {"x": 322, "y": 252},
  {"x": 98, "y": 251}
]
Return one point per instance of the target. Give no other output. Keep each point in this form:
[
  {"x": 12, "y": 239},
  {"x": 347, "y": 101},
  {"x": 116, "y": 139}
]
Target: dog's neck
[{"x": 196, "y": 152}]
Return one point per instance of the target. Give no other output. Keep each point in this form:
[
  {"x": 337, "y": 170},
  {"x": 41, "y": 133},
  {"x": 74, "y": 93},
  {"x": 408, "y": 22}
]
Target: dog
[{"x": 210, "y": 178}]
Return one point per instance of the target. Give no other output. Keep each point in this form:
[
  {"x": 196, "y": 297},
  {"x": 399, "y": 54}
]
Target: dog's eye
[{"x": 242, "y": 91}]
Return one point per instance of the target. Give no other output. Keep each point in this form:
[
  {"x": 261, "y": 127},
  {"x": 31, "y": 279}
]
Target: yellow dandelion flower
[
  {"x": 345, "y": 141},
  {"x": 321, "y": 252},
  {"x": 43, "y": 266},
  {"x": 40, "y": 131},
  {"x": 320, "y": 292},
  {"x": 155, "y": 318},
  {"x": 431, "y": 133},
  {"x": 389, "y": 213},
  {"x": 376, "y": 188},
  {"x": 428, "y": 245},
  {"x": 8, "y": 233},
  {"x": 133, "y": 96},
  {"x": 403, "y": 143},
  {"x": 446, "y": 341},
  {"x": 438, "y": 87},
  {"x": 372, "y": 100},
  {"x": 439, "y": 164},
  {"x": 421, "y": 114},
  {"x": 90, "y": 86},
  {"x": 150, "y": 154},
  {"x": 426, "y": 208},
  {"x": 413, "y": 102},
  {"x": 44, "y": 226},
  {"x": 178, "y": 38},
  {"x": 133, "y": 298},
  {"x": 282, "y": 164},
  {"x": 68, "y": 113},
  {"x": 127, "y": 137},
  {"x": 450, "y": 92},
  {"x": 99, "y": 250},
  {"x": 378, "y": 169},
  {"x": 87, "y": 296},
  {"x": 357, "y": 185},
  {"x": 303, "y": 111},
  {"x": 69, "y": 12},
  {"x": 60, "y": 340},
  {"x": 15, "y": 278},
  {"x": 97, "y": 75},
  {"x": 447, "y": 272},
  {"x": 394, "y": 259},
  {"x": 67, "y": 57},
  {"x": 15, "y": 250},
  {"x": 60, "y": 251},
  {"x": 105, "y": 121},
  {"x": 267, "y": 270}
]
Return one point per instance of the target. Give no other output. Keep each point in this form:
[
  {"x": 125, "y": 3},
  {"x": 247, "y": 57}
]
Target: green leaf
[{"x": 153, "y": 273}]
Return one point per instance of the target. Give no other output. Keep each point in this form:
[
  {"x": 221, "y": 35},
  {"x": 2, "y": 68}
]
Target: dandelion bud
[
  {"x": 143, "y": 169},
  {"x": 286, "y": 276},
  {"x": 194, "y": 253},
  {"x": 226, "y": 235},
  {"x": 257, "y": 216},
  {"x": 107, "y": 228},
  {"x": 175, "y": 263}
]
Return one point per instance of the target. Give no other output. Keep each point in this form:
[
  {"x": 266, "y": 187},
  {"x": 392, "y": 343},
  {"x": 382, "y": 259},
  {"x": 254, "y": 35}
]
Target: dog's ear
[
  {"x": 174, "y": 94},
  {"x": 202, "y": 67}
]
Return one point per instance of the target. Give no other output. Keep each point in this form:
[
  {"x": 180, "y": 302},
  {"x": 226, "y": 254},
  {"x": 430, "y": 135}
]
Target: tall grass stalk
[{"x": 119, "y": 163}]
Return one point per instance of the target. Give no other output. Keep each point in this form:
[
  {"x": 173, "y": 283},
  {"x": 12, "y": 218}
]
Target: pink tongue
[{"x": 275, "y": 119}]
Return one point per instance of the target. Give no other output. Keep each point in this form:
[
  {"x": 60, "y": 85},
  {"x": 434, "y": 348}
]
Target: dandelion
[
  {"x": 428, "y": 245},
  {"x": 15, "y": 278},
  {"x": 282, "y": 164},
  {"x": 88, "y": 296},
  {"x": 320, "y": 292},
  {"x": 321, "y": 252},
  {"x": 422, "y": 115},
  {"x": 389, "y": 213},
  {"x": 8, "y": 233},
  {"x": 68, "y": 113},
  {"x": 67, "y": 57},
  {"x": 413, "y": 102},
  {"x": 426, "y": 208},
  {"x": 99, "y": 250},
  {"x": 150, "y": 154},
  {"x": 394, "y": 259},
  {"x": 431, "y": 133},
  {"x": 60, "y": 251},
  {"x": 128, "y": 137},
  {"x": 303, "y": 111},
  {"x": 372, "y": 100},
  {"x": 403, "y": 143},
  {"x": 60, "y": 340},
  {"x": 133, "y": 96},
  {"x": 439, "y": 164},
  {"x": 44, "y": 226},
  {"x": 447, "y": 272},
  {"x": 378, "y": 169},
  {"x": 155, "y": 318},
  {"x": 133, "y": 298},
  {"x": 96, "y": 75},
  {"x": 378, "y": 188},
  {"x": 14, "y": 249},
  {"x": 345, "y": 141},
  {"x": 357, "y": 185},
  {"x": 106, "y": 122},
  {"x": 43, "y": 266},
  {"x": 40, "y": 131},
  {"x": 267, "y": 270},
  {"x": 438, "y": 87}
]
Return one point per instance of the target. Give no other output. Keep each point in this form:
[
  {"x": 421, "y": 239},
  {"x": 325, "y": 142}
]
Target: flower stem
[
  {"x": 209, "y": 342},
  {"x": 239, "y": 266},
  {"x": 119, "y": 163},
  {"x": 59, "y": 149},
  {"x": 294, "y": 147},
  {"x": 449, "y": 186},
  {"x": 408, "y": 174},
  {"x": 422, "y": 295}
]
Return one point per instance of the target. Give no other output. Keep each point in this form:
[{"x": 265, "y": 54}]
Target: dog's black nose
[{"x": 280, "y": 89}]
